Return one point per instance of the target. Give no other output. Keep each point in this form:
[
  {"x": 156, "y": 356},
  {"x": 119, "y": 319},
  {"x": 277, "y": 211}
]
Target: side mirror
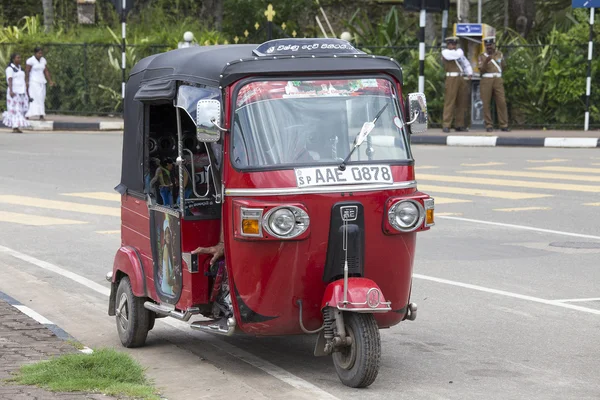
[
  {"x": 417, "y": 113},
  {"x": 208, "y": 115}
]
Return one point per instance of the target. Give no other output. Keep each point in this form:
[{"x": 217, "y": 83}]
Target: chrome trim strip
[
  {"x": 321, "y": 189},
  {"x": 166, "y": 210}
]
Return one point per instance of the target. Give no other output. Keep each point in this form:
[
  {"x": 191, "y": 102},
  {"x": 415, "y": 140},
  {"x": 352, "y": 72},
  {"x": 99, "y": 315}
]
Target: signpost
[
  {"x": 123, "y": 7},
  {"x": 591, "y": 4}
]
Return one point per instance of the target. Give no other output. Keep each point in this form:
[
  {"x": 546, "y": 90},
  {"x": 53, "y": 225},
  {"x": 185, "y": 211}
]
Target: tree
[
  {"x": 522, "y": 15},
  {"x": 48, "y": 14}
]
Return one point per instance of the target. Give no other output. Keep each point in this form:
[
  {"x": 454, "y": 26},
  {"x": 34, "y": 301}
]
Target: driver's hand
[{"x": 217, "y": 251}]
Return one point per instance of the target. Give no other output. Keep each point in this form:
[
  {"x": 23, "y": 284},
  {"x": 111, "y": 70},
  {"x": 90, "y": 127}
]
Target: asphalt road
[{"x": 493, "y": 322}]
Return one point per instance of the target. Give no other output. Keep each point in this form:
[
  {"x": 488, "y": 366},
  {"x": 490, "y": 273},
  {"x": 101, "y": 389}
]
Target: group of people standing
[
  {"x": 26, "y": 91},
  {"x": 458, "y": 78}
]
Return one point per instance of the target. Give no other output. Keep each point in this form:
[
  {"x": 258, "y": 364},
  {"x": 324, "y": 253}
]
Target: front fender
[
  {"x": 128, "y": 262},
  {"x": 364, "y": 295}
]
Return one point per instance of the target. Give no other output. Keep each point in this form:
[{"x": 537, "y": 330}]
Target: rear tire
[
  {"x": 357, "y": 365},
  {"x": 133, "y": 320}
]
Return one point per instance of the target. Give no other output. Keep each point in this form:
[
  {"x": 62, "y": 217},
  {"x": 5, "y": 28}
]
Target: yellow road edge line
[
  {"x": 541, "y": 175},
  {"x": 498, "y": 194},
  {"x": 513, "y": 183},
  {"x": 522, "y": 209},
  {"x": 96, "y": 196},
  {"x": 35, "y": 220},
  {"x": 60, "y": 205}
]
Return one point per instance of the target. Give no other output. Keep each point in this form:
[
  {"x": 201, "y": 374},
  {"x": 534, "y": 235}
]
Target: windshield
[{"x": 313, "y": 122}]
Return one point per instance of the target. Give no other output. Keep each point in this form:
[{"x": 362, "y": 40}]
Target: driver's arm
[{"x": 217, "y": 250}]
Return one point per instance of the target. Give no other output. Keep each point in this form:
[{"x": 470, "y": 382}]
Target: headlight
[
  {"x": 406, "y": 216},
  {"x": 286, "y": 222}
]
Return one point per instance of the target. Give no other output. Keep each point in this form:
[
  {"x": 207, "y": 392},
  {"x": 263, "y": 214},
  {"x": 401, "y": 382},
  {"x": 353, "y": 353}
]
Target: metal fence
[{"x": 88, "y": 80}]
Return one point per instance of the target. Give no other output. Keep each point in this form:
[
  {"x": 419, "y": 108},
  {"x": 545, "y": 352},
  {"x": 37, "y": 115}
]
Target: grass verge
[{"x": 104, "y": 371}]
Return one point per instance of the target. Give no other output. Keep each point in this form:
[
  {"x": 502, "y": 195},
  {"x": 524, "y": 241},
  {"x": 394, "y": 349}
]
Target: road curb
[
  {"x": 498, "y": 141},
  {"x": 58, "y": 331},
  {"x": 73, "y": 126}
]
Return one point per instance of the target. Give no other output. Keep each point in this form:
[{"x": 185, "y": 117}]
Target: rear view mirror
[
  {"x": 208, "y": 116},
  {"x": 417, "y": 113}
]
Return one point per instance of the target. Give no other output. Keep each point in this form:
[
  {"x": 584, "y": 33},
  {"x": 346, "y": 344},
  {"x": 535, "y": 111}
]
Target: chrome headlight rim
[
  {"x": 302, "y": 222},
  {"x": 418, "y": 222}
]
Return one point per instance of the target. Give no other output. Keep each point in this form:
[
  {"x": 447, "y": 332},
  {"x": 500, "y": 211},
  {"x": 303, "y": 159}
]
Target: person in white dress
[
  {"x": 37, "y": 77},
  {"x": 17, "y": 101}
]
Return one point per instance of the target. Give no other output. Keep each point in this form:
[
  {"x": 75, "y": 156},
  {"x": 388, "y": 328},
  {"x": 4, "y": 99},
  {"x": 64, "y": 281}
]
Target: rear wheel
[
  {"x": 133, "y": 320},
  {"x": 357, "y": 365}
]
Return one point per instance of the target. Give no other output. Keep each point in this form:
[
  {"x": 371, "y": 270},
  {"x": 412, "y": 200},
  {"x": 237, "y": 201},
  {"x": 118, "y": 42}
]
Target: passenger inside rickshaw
[{"x": 162, "y": 172}]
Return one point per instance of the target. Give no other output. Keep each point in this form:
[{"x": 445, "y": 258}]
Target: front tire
[
  {"x": 357, "y": 365},
  {"x": 133, "y": 320}
]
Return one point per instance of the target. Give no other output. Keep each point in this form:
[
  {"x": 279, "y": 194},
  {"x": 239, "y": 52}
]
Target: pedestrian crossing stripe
[
  {"x": 592, "y": 204},
  {"x": 514, "y": 183},
  {"x": 522, "y": 209},
  {"x": 489, "y": 164},
  {"x": 108, "y": 196},
  {"x": 426, "y": 167},
  {"x": 498, "y": 194},
  {"x": 554, "y": 160},
  {"x": 60, "y": 205},
  {"x": 445, "y": 200},
  {"x": 541, "y": 175},
  {"x": 114, "y": 232},
  {"x": 35, "y": 220},
  {"x": 568, "y": 169}
]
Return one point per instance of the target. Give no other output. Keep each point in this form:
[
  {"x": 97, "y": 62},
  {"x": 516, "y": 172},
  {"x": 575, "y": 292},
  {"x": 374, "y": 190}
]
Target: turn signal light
[
  {"x": 251, "y": 218},
  {"x": 429, "y": 212}
]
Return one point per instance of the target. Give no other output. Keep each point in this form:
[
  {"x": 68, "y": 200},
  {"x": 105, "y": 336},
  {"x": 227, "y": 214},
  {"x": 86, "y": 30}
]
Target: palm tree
[{"x": 48, "y": 14}]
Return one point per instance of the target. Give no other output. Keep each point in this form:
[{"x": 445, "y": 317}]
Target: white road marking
[
  {"x": 498, "y": 194},
  {"x": 445, "y": 214},
  {"x": 471, "y": 140},
  {"x": 426, "y": 167},
  {"x": 108, "y": 196},
  {"x": 488, "y": 164},
  {"x": 32, "y": 314},
  {"x": 58, "y": 270},
  {"x": 35, "y": 220},
  {"x": 522, "y": 209},
  {"x": 504, "y": 182},
  {"x": 523, "y": 227},
  {"x": 86, "y": 350},
  {"x": 529, "y": 174},
  {"x": 265, "y": 366},
  {"x": 592, "y": 204},
  {"x": 578, "y": 300},
  {"x": 109, "y": 232},
  {"x": 554, "y": 160},
  {"x": 446, "y": 200},
  {"x": 568, "y": 169},
  {"x": 507, "y": 294}
]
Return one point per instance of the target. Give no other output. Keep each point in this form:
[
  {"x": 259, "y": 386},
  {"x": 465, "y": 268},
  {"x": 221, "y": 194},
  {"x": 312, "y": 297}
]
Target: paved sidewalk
[{"x": 24, "y": 340}]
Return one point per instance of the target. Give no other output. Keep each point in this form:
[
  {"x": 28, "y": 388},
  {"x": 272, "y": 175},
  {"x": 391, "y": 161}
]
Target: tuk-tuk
[{"x": 296, "y": 155}]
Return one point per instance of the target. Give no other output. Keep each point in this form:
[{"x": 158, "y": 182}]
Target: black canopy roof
[{"x": 154, "y": 79}]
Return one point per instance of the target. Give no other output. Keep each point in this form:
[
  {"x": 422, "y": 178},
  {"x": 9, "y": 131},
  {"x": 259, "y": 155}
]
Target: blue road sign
[
  {"x": 469, "y": 29},
  {"x": 586, "y": 3}
]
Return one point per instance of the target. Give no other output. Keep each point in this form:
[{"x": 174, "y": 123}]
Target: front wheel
[
  {"x": 133, "y": 320},
  {"x": 357, "y": 365}
]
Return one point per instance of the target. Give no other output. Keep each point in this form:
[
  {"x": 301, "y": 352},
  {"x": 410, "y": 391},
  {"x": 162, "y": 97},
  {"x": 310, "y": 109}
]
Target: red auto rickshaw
[{"x": 296, "y": 154}]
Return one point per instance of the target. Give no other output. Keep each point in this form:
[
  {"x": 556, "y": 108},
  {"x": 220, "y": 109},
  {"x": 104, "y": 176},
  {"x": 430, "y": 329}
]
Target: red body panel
[{"x": 357, "y": 295}]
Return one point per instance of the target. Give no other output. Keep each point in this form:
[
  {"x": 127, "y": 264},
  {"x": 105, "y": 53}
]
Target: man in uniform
[
  {"x": 491, "y": 65},
  {"x": 455, "y": 98}
]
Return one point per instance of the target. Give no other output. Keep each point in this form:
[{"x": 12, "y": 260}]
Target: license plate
[{"x": 352, "y": 175}]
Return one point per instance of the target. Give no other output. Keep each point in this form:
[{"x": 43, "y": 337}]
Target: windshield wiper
[{"x": 362, "y": 135}]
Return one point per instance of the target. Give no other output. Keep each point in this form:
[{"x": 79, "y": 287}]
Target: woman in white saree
[{"x": 37, "y": 76}]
